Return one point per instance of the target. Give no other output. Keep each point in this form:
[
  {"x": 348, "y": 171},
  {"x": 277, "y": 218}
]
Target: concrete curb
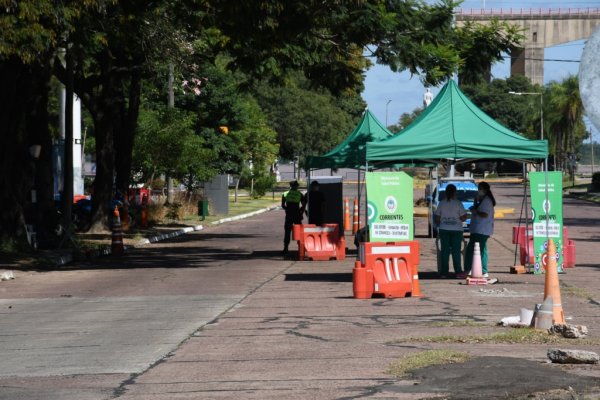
[{"x": 64, "y": 259}]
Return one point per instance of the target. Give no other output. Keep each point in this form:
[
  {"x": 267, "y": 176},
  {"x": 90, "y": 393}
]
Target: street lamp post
[
  {"x": 386, "y": 112},
  {"x": 34, "y": 151}
]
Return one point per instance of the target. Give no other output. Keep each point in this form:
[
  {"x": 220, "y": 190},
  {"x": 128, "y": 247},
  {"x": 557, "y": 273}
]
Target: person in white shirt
[
  {"x": 449, "y": 217},
  {"x": 482, "y": 226}
]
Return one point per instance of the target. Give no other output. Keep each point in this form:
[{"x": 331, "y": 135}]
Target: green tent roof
[
  {"x": 351, "y": 152},
  {"x": 452, "y": 127}
]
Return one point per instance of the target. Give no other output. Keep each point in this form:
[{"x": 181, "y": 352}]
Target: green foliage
[
  {"x": 405, "y": 120},
  {"x": 563, "y": 117},
  {"x": 262, "y": 184},
  {"x": 167, "y": 144},
  {"x": 518, "y": 113},
  {"x": 173, "y": 211},
  {"x": 481, "y": 45},
  {"x": 307, "y": 122}
]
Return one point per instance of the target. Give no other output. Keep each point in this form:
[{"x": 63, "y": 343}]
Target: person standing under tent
[
  {"x": 482, "y": 226},
  {"x": 449, "y": 217},
  {"x": 293, "y": 202}
]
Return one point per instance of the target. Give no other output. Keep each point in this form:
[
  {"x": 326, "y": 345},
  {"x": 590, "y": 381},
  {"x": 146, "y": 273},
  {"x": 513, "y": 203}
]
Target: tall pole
[
  {"x": 592, "y": 140},
  {"x": 171, "y": 104},
  {"x": 386, "y": 112},
  {"x": 542, "y": 116}
]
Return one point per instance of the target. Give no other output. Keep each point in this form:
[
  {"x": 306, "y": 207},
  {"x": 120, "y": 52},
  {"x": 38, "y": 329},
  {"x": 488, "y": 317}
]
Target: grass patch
[
  {"x": 458, "y": 323},
  {"x": 424, "y": 359},
  {"x": 577, "y": 292},
  {"x": 511, "y": 336}
]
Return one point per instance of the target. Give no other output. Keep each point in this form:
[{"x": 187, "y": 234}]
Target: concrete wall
[{"x": 541, "y": 31}]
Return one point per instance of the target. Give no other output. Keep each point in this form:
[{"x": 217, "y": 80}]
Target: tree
[
  {"x": 564, "y": 116},
  {"x": 481, "y": 45},
  {"x": 307, "y": 122},
  {"x": 405, "y": 120},
  {"x": 31, "y": 32},
  {"x": 115, "y": 46},
  {"x": 518, "y": 113},
  {"x": 166, "y": 143}
]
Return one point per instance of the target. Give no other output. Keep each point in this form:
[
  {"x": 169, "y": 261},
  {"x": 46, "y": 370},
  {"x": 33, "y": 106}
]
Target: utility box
[
  {"x": 217, "y": 191},
  {"x": 332, "y": 188},
  {"x": 203, "y": 208}
]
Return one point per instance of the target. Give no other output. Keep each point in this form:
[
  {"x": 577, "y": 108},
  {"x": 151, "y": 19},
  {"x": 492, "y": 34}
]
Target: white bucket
[{"x": 526, "y": 316}]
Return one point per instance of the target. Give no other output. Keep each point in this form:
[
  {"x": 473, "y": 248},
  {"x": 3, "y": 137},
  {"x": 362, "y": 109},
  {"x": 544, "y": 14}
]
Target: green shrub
[
  {"x": 262, "y": 184},
  {"x": 173, "y": 211}
]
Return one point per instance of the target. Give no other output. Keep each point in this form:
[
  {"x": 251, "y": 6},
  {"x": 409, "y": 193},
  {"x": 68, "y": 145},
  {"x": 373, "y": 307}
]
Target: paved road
[{"x": 219, "y": 314}]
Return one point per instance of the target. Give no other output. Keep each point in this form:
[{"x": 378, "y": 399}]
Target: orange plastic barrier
[
  {"x": 346, "y": 214},
  {"x": 355, "y": 218},
  {"x": 319, "y": 243},
  {"x": 527, "y": 254},
  {"x": 387, "y": 269}
]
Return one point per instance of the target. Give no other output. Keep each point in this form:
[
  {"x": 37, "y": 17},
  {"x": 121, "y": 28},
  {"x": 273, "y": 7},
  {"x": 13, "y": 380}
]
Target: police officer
[{"x": 293, "y": 202}]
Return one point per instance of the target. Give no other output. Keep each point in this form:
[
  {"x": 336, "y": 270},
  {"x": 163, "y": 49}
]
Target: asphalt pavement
[{"x": 220, "y": 314}]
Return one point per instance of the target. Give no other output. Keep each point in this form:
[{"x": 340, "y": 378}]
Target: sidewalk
[
  {"x": 293, "y": 329},
  {"x": 302, "y": 335}
]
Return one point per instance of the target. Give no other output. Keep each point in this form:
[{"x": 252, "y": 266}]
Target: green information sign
[
  {"x": 546, "y": 207},
  {"x": 390, "y": 206}
]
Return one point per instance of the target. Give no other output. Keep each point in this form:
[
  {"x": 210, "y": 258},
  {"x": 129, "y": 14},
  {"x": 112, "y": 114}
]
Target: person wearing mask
[
  {"x": 482, "y": 226},
  {"x": 449, "y": 217},
  {"x": 293, "y": 202}
]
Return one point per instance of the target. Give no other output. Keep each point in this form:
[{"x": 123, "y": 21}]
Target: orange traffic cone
[
  {"x": 551, "y": 285},
  {"x": 416, "y": 291},
  {"x": 476, "y": 277},
  {"x": 355, "y": 220},
  {"x": 362, "y": 282},
  {"x": 117, "y": 248},
  {"x": 346, "y": 214}
]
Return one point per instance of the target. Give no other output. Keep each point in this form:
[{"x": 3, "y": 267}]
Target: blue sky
[{"x": 406, "y": 93}]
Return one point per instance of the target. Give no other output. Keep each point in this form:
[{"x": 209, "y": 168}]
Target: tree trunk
[
  {"x": 24, "y": 122},
  {"x": 106, "y": 117},
  {"x": 124, "y": 140}
]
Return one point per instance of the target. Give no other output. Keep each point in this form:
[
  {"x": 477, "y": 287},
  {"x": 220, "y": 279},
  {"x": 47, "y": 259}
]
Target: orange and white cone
[
  {"x": 476, "y": 277},
  {"x": 117, "y": 248},
  {"x": 551, "y": 285},
  {"x": 416, "y": 287}
]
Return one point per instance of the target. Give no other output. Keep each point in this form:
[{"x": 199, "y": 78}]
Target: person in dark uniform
[
  {"x": 316, "y": 205},
  {"x": 293, "y": 202}
]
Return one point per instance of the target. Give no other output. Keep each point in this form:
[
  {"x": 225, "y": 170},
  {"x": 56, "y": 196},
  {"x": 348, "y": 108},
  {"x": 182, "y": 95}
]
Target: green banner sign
[
  {"x": 390, "y": 206},
  {"x": 547, "y": 218}
]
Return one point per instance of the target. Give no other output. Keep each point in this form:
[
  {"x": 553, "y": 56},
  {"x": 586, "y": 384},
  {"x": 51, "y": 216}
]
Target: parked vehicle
[{"x": 466, "y": 192}]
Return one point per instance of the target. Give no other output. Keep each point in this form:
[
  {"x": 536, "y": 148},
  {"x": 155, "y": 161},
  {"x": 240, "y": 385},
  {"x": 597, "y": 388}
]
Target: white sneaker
[{"x": 486, "y": 275}]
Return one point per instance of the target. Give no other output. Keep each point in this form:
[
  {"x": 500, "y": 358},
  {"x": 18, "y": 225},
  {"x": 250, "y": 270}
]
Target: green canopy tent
[
  {"x": 351, "y": 152},
  {"x": 454, "y": 129}
]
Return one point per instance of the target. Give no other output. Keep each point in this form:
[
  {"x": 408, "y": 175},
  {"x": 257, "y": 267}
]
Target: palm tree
[{"x": 564, "y": 118}]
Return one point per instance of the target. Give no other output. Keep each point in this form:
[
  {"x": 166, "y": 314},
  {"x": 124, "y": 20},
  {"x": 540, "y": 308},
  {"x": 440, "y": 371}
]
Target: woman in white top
[
  {"x": 449, "y": 217},
  {"x": 482, "y": 226}
]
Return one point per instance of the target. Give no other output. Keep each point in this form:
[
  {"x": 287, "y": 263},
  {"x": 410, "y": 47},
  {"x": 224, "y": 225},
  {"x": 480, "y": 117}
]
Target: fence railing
[{"x": 527, "y": 12}]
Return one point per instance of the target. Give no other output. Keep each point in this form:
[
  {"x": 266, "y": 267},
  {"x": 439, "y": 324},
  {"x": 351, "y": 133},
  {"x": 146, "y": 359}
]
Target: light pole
[
  {"x": 386, "y": 112},
  {"x": 34, "y": 151},
  {"x": 541, "y": 94}
]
